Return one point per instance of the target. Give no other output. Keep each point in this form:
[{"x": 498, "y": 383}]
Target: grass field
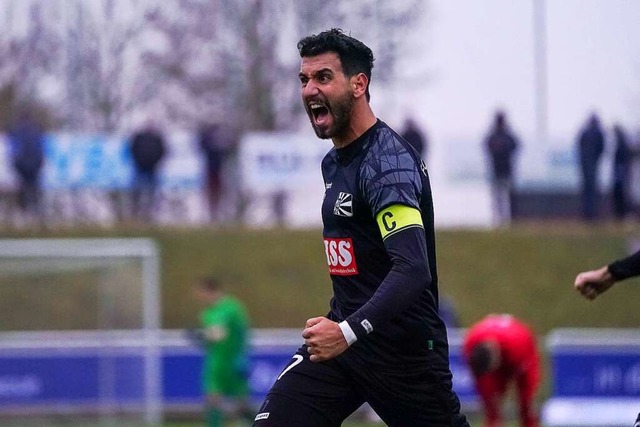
[{"x": 527, "y": 270}]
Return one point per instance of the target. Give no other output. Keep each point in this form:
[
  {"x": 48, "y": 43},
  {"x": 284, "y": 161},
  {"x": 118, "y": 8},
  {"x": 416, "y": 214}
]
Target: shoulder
[{"x": 387, "y": 152}]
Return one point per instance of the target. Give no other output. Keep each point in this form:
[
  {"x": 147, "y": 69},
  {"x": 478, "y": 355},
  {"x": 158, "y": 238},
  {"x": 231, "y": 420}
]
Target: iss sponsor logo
[
  {"x": 262, "y": 416},
  {"x": 344, "y": 205},
  {"x": 340, "y": 256}
]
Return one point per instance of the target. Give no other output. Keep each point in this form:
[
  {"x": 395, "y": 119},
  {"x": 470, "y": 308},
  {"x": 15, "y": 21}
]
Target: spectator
[
  {"x": 213, "y": 149},
  {"x": 501, "y": 146},
  {"x": 416, "y": 137},
  {"x": 223, "y": 332},
  {"x": 621, "y": 173},
  {"x": 501, "y": 350},
  {"x": 26, "y": 140},
  {"x": 147, "y": 150},
  {"x": 590, "y": 148}
]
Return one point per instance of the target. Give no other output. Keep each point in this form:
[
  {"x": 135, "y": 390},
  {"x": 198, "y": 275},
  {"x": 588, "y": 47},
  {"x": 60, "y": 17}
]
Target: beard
[{"x": 340, "y": 111}]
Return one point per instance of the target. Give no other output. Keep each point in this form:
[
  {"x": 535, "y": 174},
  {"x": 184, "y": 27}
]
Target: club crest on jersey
[
  {"x": 344, "y": 205},
  {"x": 340, "y": 256}
]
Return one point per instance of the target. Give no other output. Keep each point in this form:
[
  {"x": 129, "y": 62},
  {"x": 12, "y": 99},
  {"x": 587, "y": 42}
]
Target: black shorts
[{"x": 324, "y": 394}]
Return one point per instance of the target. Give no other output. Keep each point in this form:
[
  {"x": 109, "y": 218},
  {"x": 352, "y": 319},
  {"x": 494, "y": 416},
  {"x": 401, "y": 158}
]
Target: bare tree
[
  {"x": 100, "y": 65},
  {"x": 246, "y": 57},
  {"x": 26, "y": 60},
  {"x": 102, "y": 44}
]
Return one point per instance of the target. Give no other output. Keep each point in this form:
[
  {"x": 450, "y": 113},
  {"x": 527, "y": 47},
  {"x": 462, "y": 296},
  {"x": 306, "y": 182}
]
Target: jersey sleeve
[
  {"x": 626, "y": 267},
  {"x": 390, "y": 175},
  {"x": 391, "y": 184},
  {"x": 408, "y": 278}
]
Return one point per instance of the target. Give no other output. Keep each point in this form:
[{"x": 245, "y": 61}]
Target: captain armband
[{"x": 396, "y": 218}]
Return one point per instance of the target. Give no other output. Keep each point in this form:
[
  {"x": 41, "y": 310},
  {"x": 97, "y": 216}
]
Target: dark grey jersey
[{"x": 380, "y": 244}]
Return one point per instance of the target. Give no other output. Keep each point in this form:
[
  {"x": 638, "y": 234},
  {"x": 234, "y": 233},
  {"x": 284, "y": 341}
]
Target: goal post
[{"x": 76, "y": 285}]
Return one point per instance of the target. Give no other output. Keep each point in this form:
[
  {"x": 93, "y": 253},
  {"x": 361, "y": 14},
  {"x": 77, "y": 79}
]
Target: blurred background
[{"x": 177, "y": 126}]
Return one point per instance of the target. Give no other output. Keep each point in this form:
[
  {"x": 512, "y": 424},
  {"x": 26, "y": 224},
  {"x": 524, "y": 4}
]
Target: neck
[{"x": 362, "y": 118}]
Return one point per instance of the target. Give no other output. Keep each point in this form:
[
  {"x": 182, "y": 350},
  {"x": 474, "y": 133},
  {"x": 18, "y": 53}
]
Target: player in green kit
[{"x": 224, "y": 327}]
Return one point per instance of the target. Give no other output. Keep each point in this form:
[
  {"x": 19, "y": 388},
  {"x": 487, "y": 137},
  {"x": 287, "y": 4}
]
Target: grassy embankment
[{"x": 527, "y": 270}]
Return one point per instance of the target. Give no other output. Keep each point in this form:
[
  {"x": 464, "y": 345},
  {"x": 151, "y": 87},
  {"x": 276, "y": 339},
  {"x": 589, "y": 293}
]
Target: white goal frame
[{"x": 95, "y": 248}]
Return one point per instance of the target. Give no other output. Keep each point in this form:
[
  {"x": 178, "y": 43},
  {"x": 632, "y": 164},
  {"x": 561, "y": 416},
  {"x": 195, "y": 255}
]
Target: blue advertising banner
[
  {"x": 595, "y": 377},
  {"x": 603, "y": 373},
  {"x": 45, "y": 376}
]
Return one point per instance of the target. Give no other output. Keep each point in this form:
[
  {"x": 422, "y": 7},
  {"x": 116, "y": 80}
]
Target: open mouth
[{"x": 319, "y": 112}]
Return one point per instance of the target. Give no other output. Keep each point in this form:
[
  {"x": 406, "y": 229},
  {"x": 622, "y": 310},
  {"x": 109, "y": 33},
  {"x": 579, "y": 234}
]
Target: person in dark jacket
[
  {"x": 621, "y": 172},
  {"x": 213, "y": 149},
  {"x": 501, "y": 146},
  {"x": 26, "y": 140},
  {"x": 416, "y": 137},
  {"x": 590, "y": 148},
  {"x": 147, "y": 151}
]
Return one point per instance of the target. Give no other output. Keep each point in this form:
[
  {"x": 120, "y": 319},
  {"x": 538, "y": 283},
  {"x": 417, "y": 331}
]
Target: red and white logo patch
[{"x": 340, "y": 256}]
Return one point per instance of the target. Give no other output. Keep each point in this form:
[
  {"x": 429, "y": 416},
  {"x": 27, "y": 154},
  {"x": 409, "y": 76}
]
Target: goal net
[{"x": 79, "y": 331}]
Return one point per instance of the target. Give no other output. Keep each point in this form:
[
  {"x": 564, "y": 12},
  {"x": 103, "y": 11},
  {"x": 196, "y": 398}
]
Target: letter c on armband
[{"x": 396, "y": 218}]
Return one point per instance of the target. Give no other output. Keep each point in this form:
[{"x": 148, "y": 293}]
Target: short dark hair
[
  {"x": 354, "y": 55},
  {"x": 480, "y": 359}
]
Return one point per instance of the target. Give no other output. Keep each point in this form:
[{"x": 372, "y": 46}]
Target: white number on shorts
[{"x": 296, "y": 361}]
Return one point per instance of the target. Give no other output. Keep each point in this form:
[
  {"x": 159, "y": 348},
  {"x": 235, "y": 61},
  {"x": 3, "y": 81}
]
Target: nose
[{"x": 310, "y": 89}]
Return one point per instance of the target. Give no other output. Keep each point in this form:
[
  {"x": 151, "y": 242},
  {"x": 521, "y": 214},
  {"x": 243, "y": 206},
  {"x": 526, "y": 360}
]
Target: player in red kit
[{"x": 501, "y": 350}]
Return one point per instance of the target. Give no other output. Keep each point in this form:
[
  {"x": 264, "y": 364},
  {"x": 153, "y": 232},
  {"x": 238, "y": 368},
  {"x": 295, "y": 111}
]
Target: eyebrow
[{"x": 321, "y": 70}]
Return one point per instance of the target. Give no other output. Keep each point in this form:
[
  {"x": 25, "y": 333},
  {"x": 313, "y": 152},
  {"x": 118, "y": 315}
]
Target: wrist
[
  {"x": 348, "y": 333},
  {"x": 606, "y": 275}
]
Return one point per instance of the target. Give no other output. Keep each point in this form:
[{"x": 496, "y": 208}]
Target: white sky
[
  {"x": 480, "y": 56},
  {"x": 473, "y": 56}
]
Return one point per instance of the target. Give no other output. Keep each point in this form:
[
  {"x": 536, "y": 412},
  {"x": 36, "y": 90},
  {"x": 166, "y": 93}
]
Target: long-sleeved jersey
[
  {"x": 380, "y": 244},
  {"x": 626, "y": 267}
]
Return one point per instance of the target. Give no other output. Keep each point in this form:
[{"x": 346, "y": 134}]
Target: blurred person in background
[
  {"x": 592, "y": 283},
  {"x": 223, "y": 332},
  {"x": 383, "y": 341},
  {"x": 148, "y": 149},
  {"x": 621, "y": 173},
  {"x": 416, "y": 137},
  {"x": 501, "y": 350},
  {"x": 213, "y": 149},
  {"x": 26, "y": 148},
  {"x": 590, "y": 148},
  {"x": 500, "y": 146}
]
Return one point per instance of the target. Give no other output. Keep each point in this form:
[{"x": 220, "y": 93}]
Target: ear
[{"x": 359, "y": 84}]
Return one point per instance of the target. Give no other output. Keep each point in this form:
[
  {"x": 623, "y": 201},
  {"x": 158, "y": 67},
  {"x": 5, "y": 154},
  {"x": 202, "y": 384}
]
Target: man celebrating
[
  {"x": 383, "y": 341},
  {"x": 501, "y": 350}
]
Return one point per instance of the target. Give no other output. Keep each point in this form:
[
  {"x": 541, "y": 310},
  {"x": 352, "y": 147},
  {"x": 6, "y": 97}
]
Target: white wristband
[{"x": 348, "y": 333}]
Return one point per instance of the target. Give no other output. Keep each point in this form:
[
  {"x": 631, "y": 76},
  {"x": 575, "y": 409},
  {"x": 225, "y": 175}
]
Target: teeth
[{"x": 314, "y": 106}]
